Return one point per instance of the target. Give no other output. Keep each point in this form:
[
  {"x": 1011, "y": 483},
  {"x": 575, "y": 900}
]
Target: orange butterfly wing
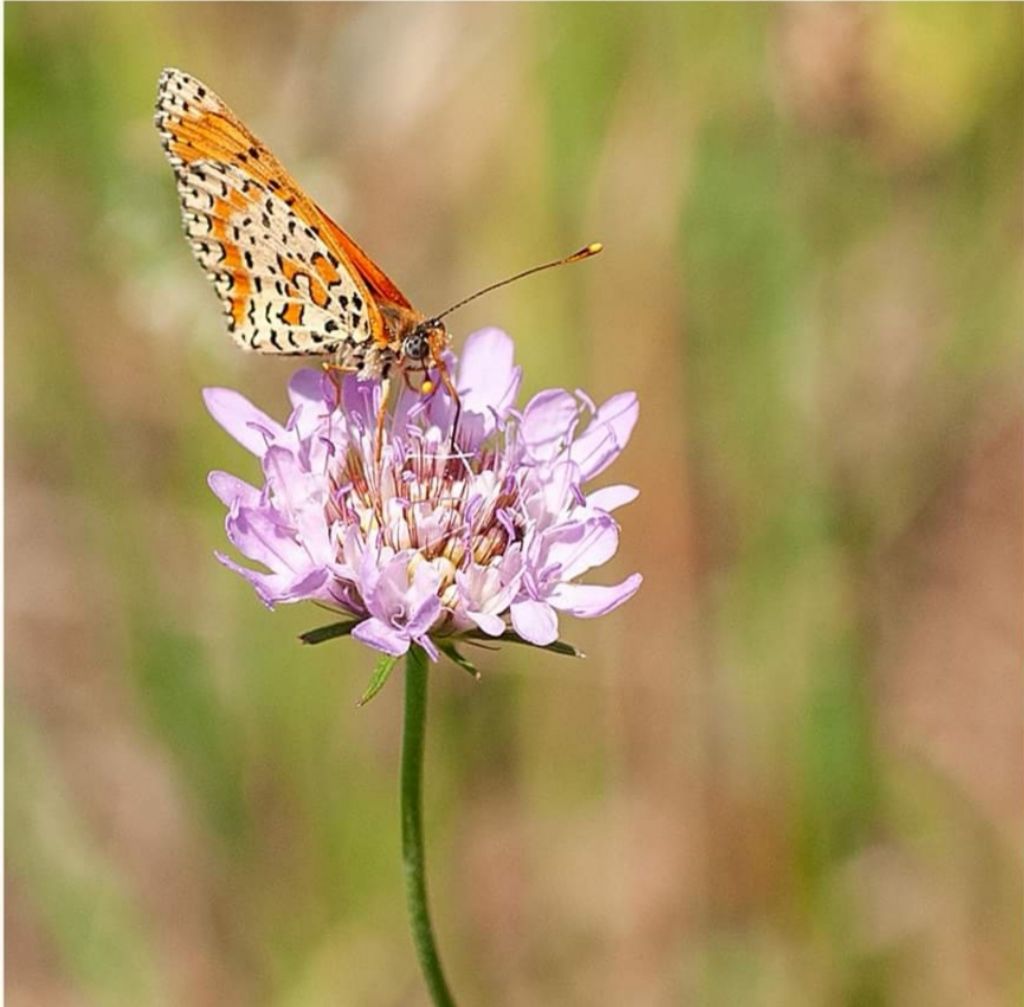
[
  {"x": 377, "y": 279},
  {"x": 320, "y": 271}
]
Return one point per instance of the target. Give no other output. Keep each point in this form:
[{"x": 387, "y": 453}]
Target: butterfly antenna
[{"x": 584, "y": 253}]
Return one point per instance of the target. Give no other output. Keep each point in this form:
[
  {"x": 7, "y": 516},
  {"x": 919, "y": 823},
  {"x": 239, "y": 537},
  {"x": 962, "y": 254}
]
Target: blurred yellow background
[{"x": 789, "y": 771}]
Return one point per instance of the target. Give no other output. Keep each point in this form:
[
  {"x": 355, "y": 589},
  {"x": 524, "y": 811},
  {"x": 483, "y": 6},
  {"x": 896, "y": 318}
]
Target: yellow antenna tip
[{"x": 584, "y": 253}]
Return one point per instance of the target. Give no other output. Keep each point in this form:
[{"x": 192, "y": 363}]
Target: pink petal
[
  {"x": 259, "y": 535},
  {"x": 535, "y": 621},
  {"x": 490, "y": 624},
  {"x": 552, "y": 491},
  {"x": 488, "y": 378},
  {"x": 610, "y": 498},
  {"x": 309, "y": 386},
  {"x": 230, "y": 490},
  {"x": 280, "y": 586},
  {"x": 359, "y": 399},
  {"x": 548, "y": 421},
  {"x": 313, "y": 397},
  {"x": 577, "y": 548},
  {"x": 264, "y": 584},
  {"x": 589, "y": 600},
  {"x": 251, "y": 427},
  {"x": 381, "y": 636},
  {"x": 607, "y": 434}
]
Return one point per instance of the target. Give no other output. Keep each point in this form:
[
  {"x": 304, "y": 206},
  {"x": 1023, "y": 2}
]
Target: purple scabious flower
[{"x": 427, "y": 545}]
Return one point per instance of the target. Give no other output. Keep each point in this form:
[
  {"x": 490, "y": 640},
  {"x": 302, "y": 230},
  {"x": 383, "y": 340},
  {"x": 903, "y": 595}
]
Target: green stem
[{"x": 412, "y": 826}]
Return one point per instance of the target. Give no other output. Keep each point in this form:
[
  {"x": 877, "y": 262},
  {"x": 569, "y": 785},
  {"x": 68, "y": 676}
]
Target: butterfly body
[{"x": 290, "y": 280}]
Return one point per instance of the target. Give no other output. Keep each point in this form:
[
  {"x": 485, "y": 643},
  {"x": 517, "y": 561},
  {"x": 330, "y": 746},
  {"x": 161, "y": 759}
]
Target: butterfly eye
[{"x": 415, "y": 347}]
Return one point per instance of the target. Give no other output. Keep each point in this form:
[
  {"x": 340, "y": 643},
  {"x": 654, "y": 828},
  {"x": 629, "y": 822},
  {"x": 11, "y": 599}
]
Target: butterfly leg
[
  {"x": 334, "y": 372},
  {"x": 449, "y": 387},
  {"x": 382, "y": 409}
]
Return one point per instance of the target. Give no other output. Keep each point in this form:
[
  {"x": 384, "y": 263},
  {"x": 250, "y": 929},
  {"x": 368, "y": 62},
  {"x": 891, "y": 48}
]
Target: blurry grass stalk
[{"x": 413, "y": 733}]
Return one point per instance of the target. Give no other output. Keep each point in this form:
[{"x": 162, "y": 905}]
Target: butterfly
[{"x": 290, "y": 280}]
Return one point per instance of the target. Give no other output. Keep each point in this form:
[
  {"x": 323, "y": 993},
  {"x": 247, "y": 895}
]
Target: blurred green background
[{"x": 789, "y": 771}]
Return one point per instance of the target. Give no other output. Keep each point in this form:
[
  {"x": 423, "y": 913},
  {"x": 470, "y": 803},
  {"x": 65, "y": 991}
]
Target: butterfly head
[{"x": 423, "y": 349}]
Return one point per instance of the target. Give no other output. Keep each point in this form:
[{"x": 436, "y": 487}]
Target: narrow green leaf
[
  {"x": 510, "y": 636},
  {"x": 380, "y": 676},
  {"x": 335, "y": 629},
  {"x": 463, "y": 662}
]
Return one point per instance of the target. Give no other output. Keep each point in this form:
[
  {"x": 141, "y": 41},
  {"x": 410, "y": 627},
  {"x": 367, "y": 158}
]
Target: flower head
[{"x": 425, "y": 543}]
